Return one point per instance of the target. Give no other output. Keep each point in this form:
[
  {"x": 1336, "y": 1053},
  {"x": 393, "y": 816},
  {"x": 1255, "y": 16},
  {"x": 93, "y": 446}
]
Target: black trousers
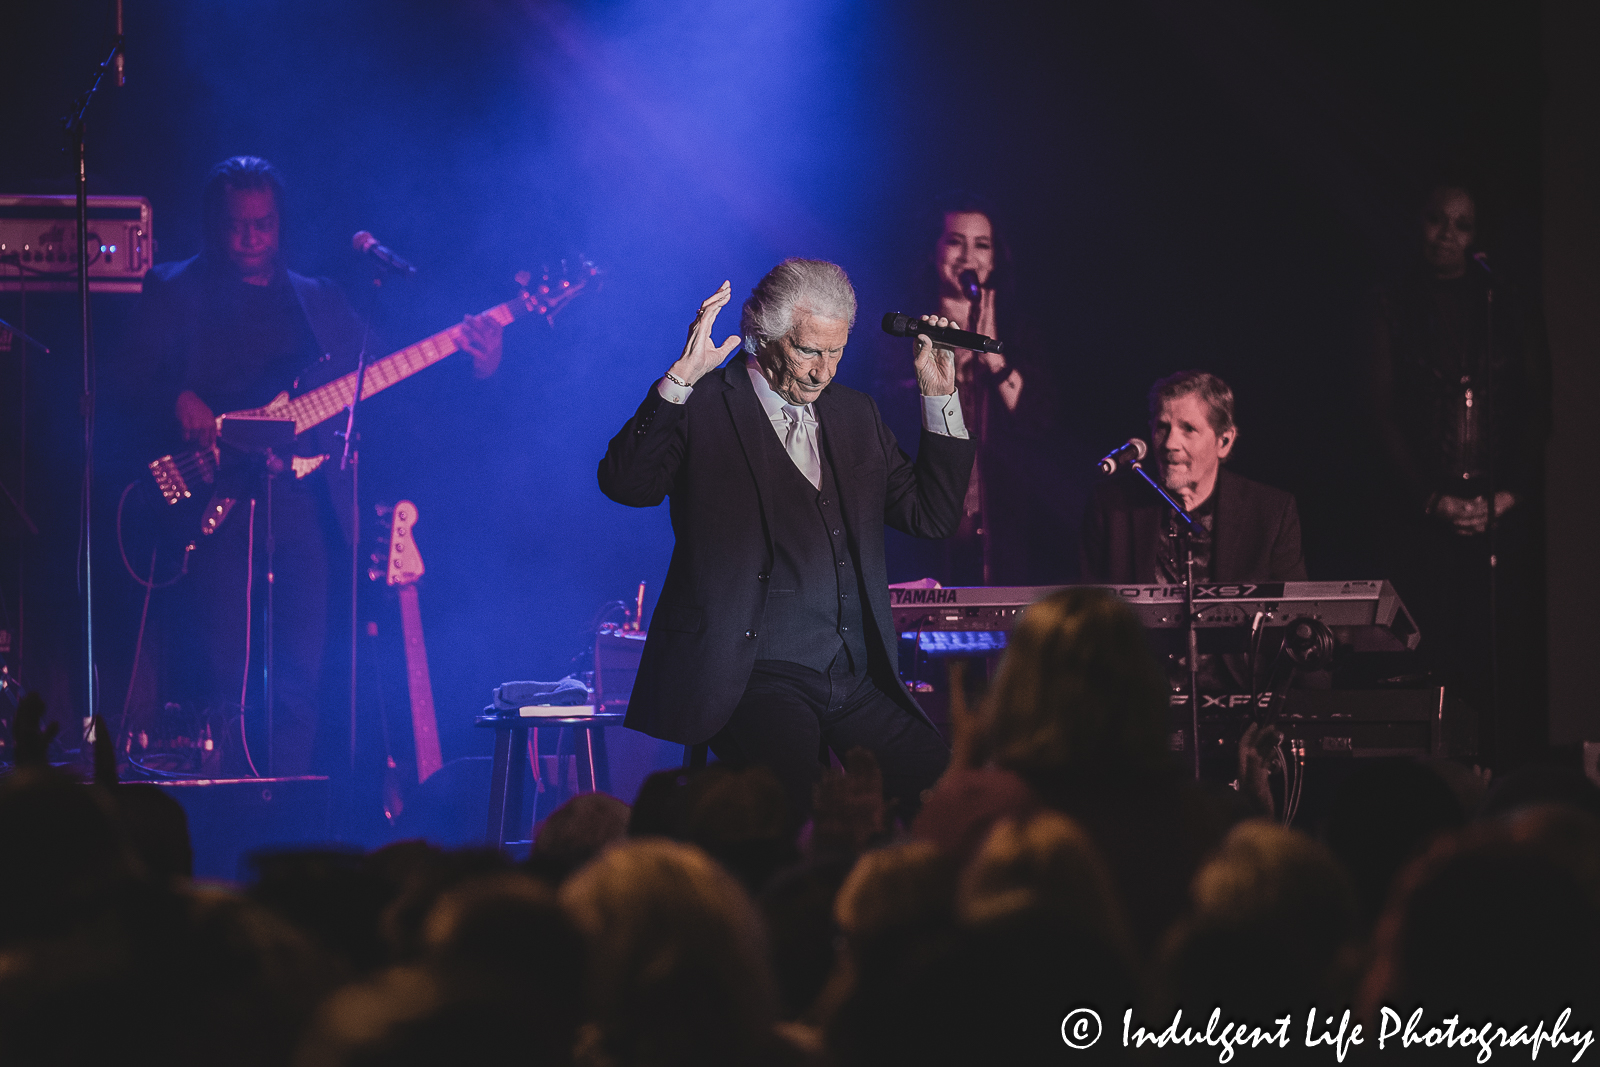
[
  {"x": 788, "y": 712},
  {"x": 224, "y": 613}
]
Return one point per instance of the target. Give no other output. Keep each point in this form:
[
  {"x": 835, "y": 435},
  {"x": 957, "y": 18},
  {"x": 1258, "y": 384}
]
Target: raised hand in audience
[
  {"x": 849, "y": 809},
  {"x": 105, "y": 754},
  {"x": 31, "y": 742},
  {"x": 1259, "y": 758},
  {"x": 966, "y": 744}
]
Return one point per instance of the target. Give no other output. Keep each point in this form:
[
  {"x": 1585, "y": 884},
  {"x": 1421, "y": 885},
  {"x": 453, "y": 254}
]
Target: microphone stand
[
  {"x": 1487, "y": 380},
  {"x": 981, "y": 372},
  {"x": 350, "y": 460},
  {"x": 75, "y": 127},
  {"x": 1188, "y": 527},
  {"x": 1487, "y": 399},
  {"x": 269, "y": 680}
]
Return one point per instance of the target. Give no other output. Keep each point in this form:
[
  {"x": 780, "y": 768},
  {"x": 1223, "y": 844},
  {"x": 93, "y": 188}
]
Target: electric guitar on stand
[
  {"x": 404, "y": 568},
  {"x": 186, "y": 478}
]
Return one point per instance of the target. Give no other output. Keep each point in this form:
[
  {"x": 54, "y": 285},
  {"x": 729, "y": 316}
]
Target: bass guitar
[{"x": 185, "y": 477}]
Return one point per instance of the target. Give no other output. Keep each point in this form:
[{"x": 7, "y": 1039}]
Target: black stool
[{"x": 510, "y": 746}]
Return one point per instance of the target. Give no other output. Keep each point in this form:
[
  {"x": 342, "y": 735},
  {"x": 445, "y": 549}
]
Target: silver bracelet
[{"x": 675, "y": 380}]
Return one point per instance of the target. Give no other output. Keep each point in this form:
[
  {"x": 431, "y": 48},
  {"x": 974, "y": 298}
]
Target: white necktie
[{"x": 801, "y": 444}]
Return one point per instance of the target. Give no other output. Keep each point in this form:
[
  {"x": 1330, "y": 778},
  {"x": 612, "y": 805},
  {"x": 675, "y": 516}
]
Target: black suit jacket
[
  {"x": 703, "y": 455},
  {"x": 1255, "y": 536}
]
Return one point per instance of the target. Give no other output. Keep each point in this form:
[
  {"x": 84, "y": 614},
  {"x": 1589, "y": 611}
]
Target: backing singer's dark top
[{"x": 1459, "y": 405}]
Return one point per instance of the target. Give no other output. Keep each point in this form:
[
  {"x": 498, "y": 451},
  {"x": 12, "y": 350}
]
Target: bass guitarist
[{"x": 228, "y": 330}]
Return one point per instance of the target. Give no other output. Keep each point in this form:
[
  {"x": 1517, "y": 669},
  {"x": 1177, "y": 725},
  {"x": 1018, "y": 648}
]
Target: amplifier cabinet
[
  {"x": 231, "y": 817},
  {"x": 616, "y": 666},
  {"x": 38, "y": 243}
]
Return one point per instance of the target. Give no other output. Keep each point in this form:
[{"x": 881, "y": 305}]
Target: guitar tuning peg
[
  {"x": 374, "y": 573},
  {"x": 383, "y": 510}
]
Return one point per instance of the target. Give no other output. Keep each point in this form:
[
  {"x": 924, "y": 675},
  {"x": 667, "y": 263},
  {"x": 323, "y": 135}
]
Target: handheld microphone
[
  {"x": 368, "y": 245},
  {"x": 1482, "y": 260},
  {"x": 1132, "y": 452},
  {"x": 909, "y": 326},
  {"x": 970, "y": 287}
]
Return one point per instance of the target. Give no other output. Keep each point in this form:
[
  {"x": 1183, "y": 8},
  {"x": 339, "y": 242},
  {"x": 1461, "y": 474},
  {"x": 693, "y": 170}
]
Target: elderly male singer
[{"x": 773, "y": 635}]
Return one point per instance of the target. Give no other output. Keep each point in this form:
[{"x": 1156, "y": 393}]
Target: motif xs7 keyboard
[{"x": 1367, "y": 615}]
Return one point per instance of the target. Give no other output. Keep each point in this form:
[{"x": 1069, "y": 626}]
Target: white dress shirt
[{"x": 940, "y": 414}]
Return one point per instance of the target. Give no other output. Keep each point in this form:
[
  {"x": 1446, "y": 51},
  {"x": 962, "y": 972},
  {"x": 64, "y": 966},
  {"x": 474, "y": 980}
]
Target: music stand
[{"x": 257, "y": 433}]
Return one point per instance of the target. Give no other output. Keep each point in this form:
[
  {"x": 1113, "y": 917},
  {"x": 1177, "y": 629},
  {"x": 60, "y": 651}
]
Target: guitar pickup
[
  {"x": 174, "y": 487},
  {"x": 173, "y": 474},
  {"x": 216, "y": 512}
]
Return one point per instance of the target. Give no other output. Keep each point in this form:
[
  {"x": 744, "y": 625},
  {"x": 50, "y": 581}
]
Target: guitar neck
[
  {"x": 424, "y": 722},
  {"x": 326, "y": 401}
]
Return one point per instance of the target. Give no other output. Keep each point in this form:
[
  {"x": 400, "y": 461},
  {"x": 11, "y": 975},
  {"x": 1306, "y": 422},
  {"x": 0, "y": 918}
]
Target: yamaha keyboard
[{"x": 1365, "y": 615}]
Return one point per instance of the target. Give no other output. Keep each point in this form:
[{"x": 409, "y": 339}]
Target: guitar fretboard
[{"x": 324, "y": 402}]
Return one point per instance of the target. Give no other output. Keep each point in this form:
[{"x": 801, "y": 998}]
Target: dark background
[{"x": 1188, "y": 184}]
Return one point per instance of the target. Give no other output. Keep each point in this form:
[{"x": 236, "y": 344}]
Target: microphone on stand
[
  {"x": 368, "y": 245},
  {"x": 1132, "y": 452},
  {"x": 122, "y": 50},
  {"x": 909, "y": 326},
  {"x": 970, "y": 287}
]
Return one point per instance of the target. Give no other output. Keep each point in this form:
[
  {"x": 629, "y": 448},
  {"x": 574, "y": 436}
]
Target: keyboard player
[{"x": 1252, "y": 530}]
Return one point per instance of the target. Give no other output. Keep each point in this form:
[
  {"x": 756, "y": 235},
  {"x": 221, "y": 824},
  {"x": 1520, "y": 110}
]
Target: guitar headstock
[
  {"x": 549, "y": 295},
  {"x": 405, "y": 562}
]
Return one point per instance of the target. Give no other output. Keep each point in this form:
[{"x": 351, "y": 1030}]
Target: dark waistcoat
[{"x": 814, "y": 593}]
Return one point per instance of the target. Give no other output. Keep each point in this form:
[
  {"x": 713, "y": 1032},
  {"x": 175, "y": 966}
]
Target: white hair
[{"x": 815, "y": 285}]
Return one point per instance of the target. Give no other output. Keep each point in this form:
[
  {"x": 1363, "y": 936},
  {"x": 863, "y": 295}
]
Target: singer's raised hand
[
  {"x": 993, "y": 362},
  {"x": 1007, "y": 379},
  {"x": 700, "y": 357},
  {"x": 935, "y": 365},
  {"x": 986, "y": 323}
]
